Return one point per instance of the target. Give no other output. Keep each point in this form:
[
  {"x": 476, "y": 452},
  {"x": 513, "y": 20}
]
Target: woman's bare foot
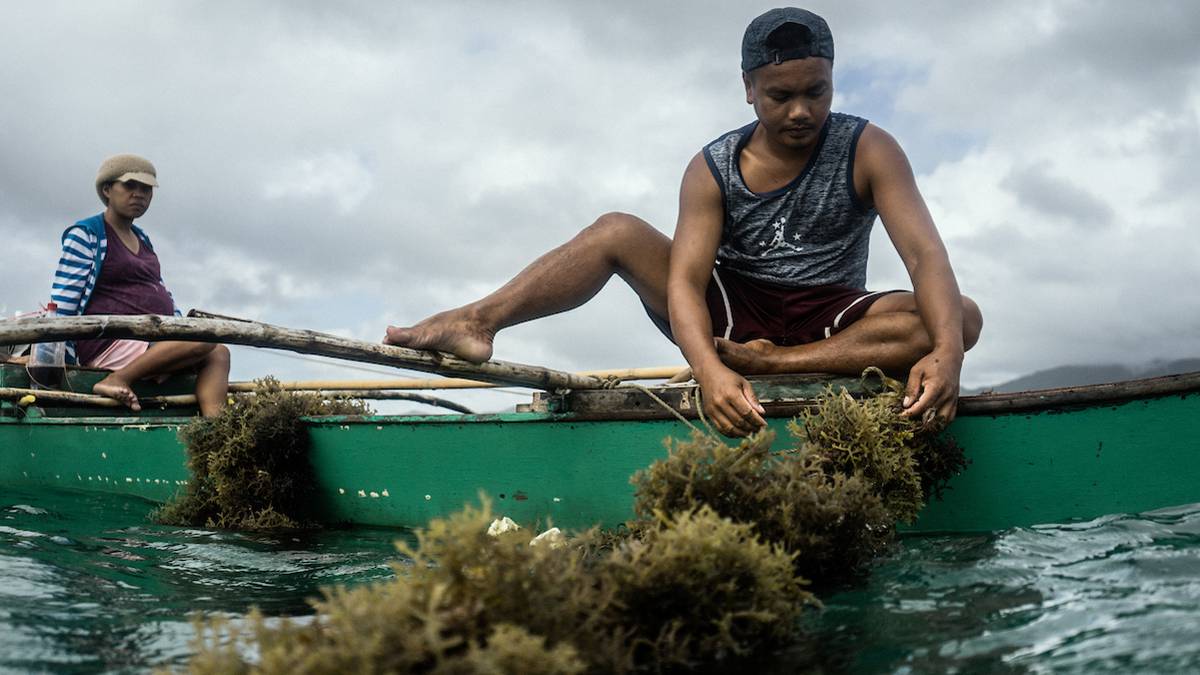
[
  {"x": 446, "y": 332},
  {"x": 748, "y": 358},
  {"x": 115, "y": 387}
]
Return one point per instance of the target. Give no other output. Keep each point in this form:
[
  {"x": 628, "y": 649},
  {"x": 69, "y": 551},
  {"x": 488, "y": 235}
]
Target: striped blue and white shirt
[{"x": 84, "y": 246}]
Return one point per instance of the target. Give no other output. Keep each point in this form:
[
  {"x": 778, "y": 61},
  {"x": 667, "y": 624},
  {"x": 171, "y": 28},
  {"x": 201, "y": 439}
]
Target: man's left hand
[{"x": 933, "y": 385}]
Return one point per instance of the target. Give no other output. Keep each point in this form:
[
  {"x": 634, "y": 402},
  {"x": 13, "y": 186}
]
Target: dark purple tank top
[
  {"x": 814, "y": 231},
  {"x": 129, "y": 283}
]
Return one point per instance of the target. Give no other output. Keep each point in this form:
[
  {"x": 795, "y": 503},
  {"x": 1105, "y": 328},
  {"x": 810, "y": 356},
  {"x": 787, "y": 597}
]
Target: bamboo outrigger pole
[
  {"x": 256, "y": 334},
  {"x": 181, "y": 400},
  {"x": 72, "y": 398},
  {"x": 619, "y": 374}
]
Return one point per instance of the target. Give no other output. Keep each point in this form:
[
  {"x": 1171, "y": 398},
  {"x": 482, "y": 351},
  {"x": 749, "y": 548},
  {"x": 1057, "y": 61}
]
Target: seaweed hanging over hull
[
  {"x": 858, "y": 467},
  {"x": 833, "y": 524},
  {"x": 249, "y": 465},
  {"x": 906, "y": 459}
]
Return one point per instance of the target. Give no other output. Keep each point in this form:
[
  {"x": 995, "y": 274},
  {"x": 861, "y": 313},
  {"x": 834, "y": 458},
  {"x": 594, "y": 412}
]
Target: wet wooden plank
[{"x": 781, "y": 396}]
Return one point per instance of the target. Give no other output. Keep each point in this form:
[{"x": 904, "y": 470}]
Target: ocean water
[{"x": 88, "y": 585}]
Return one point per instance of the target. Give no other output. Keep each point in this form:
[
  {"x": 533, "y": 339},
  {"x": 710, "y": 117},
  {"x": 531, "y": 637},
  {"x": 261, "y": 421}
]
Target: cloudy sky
[{"x": 340, "y": 166}]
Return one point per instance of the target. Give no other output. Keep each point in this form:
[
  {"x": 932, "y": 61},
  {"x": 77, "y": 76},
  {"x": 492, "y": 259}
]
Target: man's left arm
[{"x": 934, "y": 380}]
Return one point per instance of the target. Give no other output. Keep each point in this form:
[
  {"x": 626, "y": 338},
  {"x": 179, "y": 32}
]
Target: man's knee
[
  {"x": 972, "y": 322},
  {"x": 907, "y": 302},
  {"x": 620, "y": 229},
  {"x": 628, "y": 243}
]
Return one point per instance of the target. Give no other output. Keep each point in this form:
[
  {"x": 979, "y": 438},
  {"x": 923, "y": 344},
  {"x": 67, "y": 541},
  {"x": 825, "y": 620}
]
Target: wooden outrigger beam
[{"x": 256, "y": 334}]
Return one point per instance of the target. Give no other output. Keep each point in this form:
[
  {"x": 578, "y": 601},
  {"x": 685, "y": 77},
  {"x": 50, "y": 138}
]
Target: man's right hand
[{"x": 730, "y": 403}]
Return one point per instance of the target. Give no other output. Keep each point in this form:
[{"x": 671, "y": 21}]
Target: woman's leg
[
  {"x": 168, "y": 357},
  {"x": 212, "y": 382}
]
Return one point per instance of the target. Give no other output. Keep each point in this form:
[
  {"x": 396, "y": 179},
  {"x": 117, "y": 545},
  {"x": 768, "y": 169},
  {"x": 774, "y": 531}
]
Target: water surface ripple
[
  {"x": 87, "y": 584},
  {"x": 1118, "y": 594}
]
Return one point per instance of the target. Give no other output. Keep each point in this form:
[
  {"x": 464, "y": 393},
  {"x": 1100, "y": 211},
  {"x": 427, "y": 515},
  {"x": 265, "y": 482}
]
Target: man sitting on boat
[
  {"x": 767, "y": 269},
  {"x": 108, "y": 266}
]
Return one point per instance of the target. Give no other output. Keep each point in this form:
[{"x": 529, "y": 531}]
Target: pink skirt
[{"x": 119, "y": 354}]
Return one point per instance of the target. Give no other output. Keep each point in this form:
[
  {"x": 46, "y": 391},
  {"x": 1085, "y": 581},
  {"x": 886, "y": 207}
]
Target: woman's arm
[{"x": 74, "y": 271}]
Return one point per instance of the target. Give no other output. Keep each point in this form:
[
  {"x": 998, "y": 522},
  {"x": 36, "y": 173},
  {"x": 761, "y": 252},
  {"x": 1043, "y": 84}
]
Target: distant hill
[{"x": 1073, "y": 376}]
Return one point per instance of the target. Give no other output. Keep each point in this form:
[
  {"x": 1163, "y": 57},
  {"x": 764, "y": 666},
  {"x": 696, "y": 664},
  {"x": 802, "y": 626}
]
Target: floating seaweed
[
  {"x": 249, "y": 465},
  {"x": 388, "y": 638},
  {"x": 699, "y": 587},
  {"x": 695, "y": 588},
  {"x": 465, "y": 598},
  {"x": 715, "y": 566}
]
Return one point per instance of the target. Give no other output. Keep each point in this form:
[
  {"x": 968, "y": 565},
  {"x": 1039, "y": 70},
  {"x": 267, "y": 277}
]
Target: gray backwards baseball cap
[{"x": 783, "y": 34}]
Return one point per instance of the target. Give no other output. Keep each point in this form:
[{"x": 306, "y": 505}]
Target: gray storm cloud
[{"x": 340, "y": 167}]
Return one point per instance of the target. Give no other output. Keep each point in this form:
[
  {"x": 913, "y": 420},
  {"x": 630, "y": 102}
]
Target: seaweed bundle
[
  {"x": 249, "y": 465},
  {"x": 904, "y": 458},
  {"x": 694, "y": 588},
  {"x": 834, "y": 523},
  {"x": 858, "y": 467},
  {"x": 717, "y": 565}
]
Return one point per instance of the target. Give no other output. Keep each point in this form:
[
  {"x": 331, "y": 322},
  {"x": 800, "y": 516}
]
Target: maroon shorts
[{"x": 744, "y": 309}]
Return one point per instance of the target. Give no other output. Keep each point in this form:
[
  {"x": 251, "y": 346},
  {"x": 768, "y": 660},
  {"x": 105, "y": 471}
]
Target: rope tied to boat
[
  {"x": 696, "y": 401},
  {"x": 609, "y": 382}
]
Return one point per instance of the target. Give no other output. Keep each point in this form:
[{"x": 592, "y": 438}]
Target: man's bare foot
[
  {"x": 446, "y": 332},
  {"x": 114, "y": 387},
  {"x": 748, "y": 358}
]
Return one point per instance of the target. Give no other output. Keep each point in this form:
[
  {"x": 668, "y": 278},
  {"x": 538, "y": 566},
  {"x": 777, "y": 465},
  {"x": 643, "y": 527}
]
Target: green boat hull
[{"x": 1035, "y": 458}]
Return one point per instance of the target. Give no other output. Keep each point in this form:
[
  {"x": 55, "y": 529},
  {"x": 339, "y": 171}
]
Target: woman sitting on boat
[{"x": 108, "y": 266}]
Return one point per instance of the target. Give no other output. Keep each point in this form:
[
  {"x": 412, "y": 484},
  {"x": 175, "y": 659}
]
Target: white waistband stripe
[
  {"x": 837, "y": 320},
  {"x": 725, "y": 301}
]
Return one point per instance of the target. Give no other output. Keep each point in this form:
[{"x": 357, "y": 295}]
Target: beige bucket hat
[{"x": 121, "y": 168}]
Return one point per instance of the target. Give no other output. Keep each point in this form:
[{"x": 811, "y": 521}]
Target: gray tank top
[{"x": 813, "y": 231}]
